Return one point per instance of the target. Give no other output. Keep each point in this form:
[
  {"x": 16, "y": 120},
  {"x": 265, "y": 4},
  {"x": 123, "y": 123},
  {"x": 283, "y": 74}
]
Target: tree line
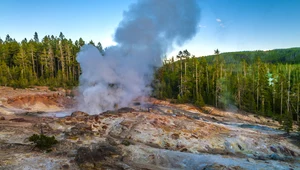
[
  {"x": 50, "y": 61},
  {"x": 266, "y": 88},
  {"x": 283, "y": 56}
]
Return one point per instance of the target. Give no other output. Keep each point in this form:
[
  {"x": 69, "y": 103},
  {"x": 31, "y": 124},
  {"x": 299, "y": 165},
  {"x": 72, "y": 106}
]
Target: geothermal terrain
[{"x": 151, "y": 135}]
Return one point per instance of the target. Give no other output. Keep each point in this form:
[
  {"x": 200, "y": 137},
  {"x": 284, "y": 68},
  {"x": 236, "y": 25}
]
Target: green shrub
[
  {"x": 299, "y": 127},
  {"x": 199, "y": 102},
  {"x": 126, "y": 142},
  {"x": 51, "y": 88},
  {"x": 43, "y": 142},
  {"x": 287, "y": 123}
]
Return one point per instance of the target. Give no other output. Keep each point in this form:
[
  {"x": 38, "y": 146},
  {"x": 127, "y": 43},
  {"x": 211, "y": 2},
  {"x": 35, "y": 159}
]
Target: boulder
[
  {"x": 79, "y": 113},
  {"x": 2, "y": 118},
  {"x": 216, "y": 166},
  {"x": 126, "y": 110},
  {"x": 79, "y": 129},
  {"x": 240, "y": 147},
  {"x": 175, "y": 136},
  {"x": 18, "y": 120},
  {"x": 103, "y": 156},
  {"x": 66, "y": 166},
  {"x": 251, "y": 160},
  {"x": 275, "y": 156},
  {"x": 84, "y": 158},
  {"x": 273, "y": 149}
]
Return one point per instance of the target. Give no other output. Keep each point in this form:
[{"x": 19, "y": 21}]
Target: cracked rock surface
[{"x": 157, "y": 135}]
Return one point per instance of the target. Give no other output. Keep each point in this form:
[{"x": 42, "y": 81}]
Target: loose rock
[
  {"x": 275, "y": 156},
  {"x": 84, "y": 158},
  {"x": 240, "y": 147},
  {"x": 223, "y": 167},
  {"x": 66, "y": 166},
  {"x": 2, "y": 118},
  {"x": 175, "y": 136},
  {"x": 126, "y": 110},
  {"x": 273, "y": 149},
  {"x": 79, "y": 113},
  {"x": 251, "y": 160},
  {"x": 18, "y": 120}
]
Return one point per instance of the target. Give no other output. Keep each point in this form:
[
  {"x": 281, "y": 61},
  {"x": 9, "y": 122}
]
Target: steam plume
[{"x": 148, "y": 30}]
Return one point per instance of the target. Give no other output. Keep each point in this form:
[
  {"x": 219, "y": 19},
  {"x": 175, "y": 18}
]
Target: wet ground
[{"x": 154, "y": 135}]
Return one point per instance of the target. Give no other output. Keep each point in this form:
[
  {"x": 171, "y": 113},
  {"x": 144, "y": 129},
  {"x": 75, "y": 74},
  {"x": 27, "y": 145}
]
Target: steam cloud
[{"x": 149, "y": 29}]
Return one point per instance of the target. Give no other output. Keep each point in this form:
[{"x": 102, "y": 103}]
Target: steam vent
[{"x": 70, "y": 104}]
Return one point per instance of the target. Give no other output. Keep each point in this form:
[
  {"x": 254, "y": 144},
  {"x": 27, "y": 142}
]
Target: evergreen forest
[
  {"x": 50, "y": 61},
  {"x": 266, "y": 83}
]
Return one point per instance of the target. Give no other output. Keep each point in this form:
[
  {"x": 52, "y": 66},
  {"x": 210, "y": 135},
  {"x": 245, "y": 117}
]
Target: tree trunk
[
  {"x": 185, "y": 81},
  {"x": 298, "y": 98},
  {"x": 288, "y": 90},
  {"x": 207, "y": 80},
  {"x": 51, "y": 61},
  {"x": 263, "y": 104},
  {"x": 181, "y": 92},
  {"x": 216, "y": 91},
  {"x": 8, "y": 70},
  {"x": 281, "y": 98},
  {"x": 239, "y": 92},
  {"x": 23, "y": 62},
  {"x": 196, "y": 79},
  {"x": 253, "y": 92},
  {"x": 73, "y": 69},
  {"x": 62, "y": 61},
  {"x": 33, "y": 63},
  {"x": 274, "y": 99},
  {"x": 42, "y": 70},
  {"x": 244, "y": 69},
  {"x": 257, "y": 90},
  {"x": 221, "y": 70},
  {"x": 69, "y": 61}
]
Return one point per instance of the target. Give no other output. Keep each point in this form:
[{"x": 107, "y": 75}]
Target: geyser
[{"x": 148, "y": 30}]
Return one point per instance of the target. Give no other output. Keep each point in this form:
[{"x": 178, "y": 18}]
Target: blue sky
[{"x": 229, "y": 25}]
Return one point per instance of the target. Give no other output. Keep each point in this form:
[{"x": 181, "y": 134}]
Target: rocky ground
[
  {"x": 33, "y": 100},
  {"x": 153, "y": 135}
]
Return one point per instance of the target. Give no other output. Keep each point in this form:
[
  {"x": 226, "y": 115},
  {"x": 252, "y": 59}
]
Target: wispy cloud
[
  {"x": 220, "y": 22},
  {"x": 202, "y": 26}
]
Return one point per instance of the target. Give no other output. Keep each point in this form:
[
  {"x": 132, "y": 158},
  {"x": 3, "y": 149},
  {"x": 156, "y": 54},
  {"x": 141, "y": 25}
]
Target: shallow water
[
  {"x": 180, "y": 160},
  {"x": 63, "y": 113},
  {"x": 256, "y": 127}
]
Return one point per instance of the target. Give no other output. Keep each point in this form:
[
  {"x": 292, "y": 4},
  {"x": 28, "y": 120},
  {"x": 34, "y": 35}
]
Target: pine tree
[{"x": 287, "y": 124}]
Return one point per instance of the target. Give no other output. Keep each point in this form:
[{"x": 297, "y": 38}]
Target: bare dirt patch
[{"x": 38, "y": 99}]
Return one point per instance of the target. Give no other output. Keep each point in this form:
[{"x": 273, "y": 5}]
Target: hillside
[
  {"x": 265, "y": 83},
  {"x": 289, "y": 55}
]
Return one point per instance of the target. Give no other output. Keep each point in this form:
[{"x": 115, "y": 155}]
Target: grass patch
[{"x": 43, "y": 142}]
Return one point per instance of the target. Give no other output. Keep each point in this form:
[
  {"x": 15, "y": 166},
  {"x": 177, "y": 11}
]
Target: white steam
[{"x": 148, "y": 30}]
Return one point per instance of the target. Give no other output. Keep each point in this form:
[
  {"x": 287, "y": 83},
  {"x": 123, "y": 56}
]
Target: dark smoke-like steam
[{"x": 148, "y": 30}]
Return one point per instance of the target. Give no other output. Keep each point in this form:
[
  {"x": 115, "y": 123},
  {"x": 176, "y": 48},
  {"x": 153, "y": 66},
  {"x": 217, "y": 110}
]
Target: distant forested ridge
[
  {"x": 48, "y": 61},
  {"x": 265, "y": 83},
  {"x": 290, "y": 56}
]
